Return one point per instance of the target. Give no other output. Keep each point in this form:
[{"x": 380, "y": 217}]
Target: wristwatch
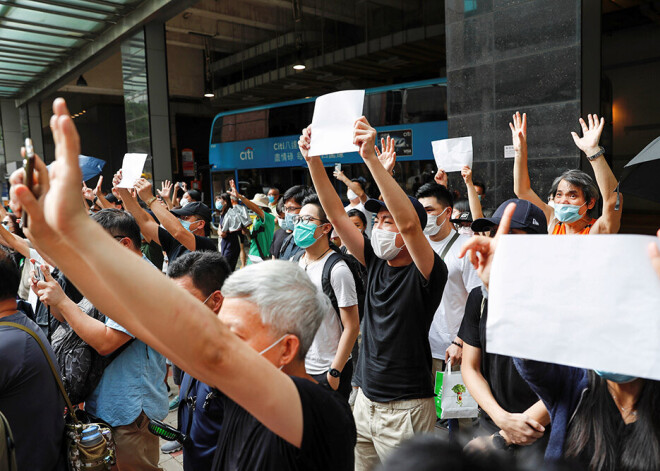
[
  {"x": 499, "y": 442},
  {"x": 335, "y": 373},
  {"x": 601, "y": 151}
]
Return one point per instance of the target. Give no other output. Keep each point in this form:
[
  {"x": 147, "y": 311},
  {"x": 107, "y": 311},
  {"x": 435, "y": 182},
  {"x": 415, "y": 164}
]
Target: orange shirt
[{"x": 560, "y": 229}]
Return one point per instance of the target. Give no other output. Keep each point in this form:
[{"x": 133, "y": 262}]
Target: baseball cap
[
  {"x": 526, "y": 216},
  {"x": 375, "y": 205},
  {"x": 465, "y": 216},
  {"x": 194, "y": 208}
]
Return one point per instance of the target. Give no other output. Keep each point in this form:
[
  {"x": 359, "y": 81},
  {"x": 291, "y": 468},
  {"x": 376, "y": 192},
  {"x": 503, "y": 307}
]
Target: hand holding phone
[{"x": 28, "y": 167}]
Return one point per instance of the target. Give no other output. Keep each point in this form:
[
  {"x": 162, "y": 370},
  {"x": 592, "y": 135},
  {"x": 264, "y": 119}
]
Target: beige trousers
[
  {"x": 137, "y": 448},
  {"x": 382, "y": 426}
]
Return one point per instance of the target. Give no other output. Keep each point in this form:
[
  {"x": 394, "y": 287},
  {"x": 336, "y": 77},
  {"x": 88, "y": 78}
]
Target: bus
[{"x": 258, "y": 146}]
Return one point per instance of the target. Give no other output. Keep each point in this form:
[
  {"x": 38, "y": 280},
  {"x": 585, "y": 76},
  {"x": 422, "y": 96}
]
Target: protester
[
  {"x": 327, "y": 360},
  {"x": 603, "y": 421},
  {"x": 405, "y": 284},
  {"x": 575, "y": 193},
  {"x": 131, "y": 390},
  {"x": 201, "y": 410},
  {"x": 283, "y": 246},
  {"x": 356, "y": 196},
  {"x": 273, "y": 198},
  {"x": 263, "y": 227},
  {"x": 475, "y": 190},
  {"x": 512, "y": 414},
  {"x": 230, "y": 245},
  {"x": 29, "y": 396},
  {"x": 281, "y": 419}
]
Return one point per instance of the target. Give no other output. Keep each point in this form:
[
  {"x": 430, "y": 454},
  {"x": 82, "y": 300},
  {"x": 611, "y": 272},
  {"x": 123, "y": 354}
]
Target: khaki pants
[
  {"x": 137, "y": 448},
  {"x": 382, "y": 426}
]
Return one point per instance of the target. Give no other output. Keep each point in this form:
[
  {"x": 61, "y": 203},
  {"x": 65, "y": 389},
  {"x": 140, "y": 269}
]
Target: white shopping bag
[{"x": 457, "y": 403}]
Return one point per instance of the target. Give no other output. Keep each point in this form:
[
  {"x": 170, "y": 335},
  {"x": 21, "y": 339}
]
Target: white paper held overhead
[
  {"x": 333, "y": 121},
  {"x": 577, "y": 301},
  {"x": 452, "y": 155},
  {"x": 131, "y": 169}
]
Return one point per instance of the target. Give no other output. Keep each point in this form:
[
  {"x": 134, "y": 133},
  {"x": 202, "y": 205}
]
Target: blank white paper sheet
[{"x": 333, "y": 121}]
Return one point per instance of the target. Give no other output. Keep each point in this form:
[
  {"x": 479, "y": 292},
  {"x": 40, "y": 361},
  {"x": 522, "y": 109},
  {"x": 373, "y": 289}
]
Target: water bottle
[{"x": 91, "y": 436}]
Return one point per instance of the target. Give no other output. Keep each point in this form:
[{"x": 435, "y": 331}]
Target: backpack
[
  {"x": 294, "y": 254},
  {"x": 81, "y": 366},
  {"x": 7, "y": 446},
  {"x": 353, "y": 265}
]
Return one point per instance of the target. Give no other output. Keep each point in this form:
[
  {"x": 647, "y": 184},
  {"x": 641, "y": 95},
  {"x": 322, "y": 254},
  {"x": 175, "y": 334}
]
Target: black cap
[
  {"x": 194, "y": 208},
  {"x": 374, "y": 206},
  {"x": 526, "y": 216},
  {"x": 465, "y": 216}
]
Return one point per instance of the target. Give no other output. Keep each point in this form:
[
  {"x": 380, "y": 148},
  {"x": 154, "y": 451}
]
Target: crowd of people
[{"x": 308, "y": 335}]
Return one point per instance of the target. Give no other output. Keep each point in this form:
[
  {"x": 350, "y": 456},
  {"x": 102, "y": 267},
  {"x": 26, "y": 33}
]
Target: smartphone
[
  {"x": 28, "y": 168},
  {"x": 37, "y": 270},
  {"x": 337, "y": 167}
]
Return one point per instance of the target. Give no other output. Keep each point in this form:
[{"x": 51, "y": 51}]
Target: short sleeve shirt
[
  {"x": 328, "y": 436},
  {"x": 263, "y": 237},
  {"x": 461, "y": 279},
  {"x": 395, "y": 357},
  {"x": 324, "y": 347},
  {"x": 173, "y": 248}
]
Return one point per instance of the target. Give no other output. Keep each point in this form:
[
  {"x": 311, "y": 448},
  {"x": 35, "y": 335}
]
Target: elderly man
[{"x": 277, "y": 418}]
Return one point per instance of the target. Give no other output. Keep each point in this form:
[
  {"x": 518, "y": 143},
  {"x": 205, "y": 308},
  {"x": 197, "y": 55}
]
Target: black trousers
[{"x": 344, "y": 380}]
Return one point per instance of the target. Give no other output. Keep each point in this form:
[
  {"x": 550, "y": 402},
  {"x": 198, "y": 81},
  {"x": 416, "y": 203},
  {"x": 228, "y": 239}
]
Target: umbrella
[
  {"x": 90, "y": 166},
  {"x": 640, "y": 175}
]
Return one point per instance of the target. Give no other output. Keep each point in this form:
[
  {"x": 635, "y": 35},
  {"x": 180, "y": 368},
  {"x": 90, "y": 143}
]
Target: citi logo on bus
[{"x": 247, "y": 154}]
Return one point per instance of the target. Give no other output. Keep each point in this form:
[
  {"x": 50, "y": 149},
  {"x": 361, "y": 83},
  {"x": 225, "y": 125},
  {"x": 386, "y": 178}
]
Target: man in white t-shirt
[
  {"x": 356, "y": 197},
  {"x": 327, "y": 360},
  {"x": 462, "y": 278}
]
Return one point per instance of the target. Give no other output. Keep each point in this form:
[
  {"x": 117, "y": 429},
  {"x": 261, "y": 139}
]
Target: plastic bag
[{"x": 457, "y": 402}]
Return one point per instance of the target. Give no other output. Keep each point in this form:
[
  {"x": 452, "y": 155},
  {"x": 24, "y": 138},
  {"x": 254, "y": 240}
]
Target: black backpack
[
  {"x": 353, "y": 265},
  {"x": 81, "y": 366}
]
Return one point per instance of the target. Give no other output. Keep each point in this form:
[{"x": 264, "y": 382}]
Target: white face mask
[
  {"x": 465, "y": 230},
  {"x": 384, "y": 244},
  {"x": 351, "y": 195},
  {"x": 432, "y": 227},
  {"x": 184, "y": 201},
  {"x": 272, "y": 345}
]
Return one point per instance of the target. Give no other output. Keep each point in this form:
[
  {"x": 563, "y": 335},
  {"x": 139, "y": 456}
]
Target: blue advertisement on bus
[{"x": 413, "y": 142}]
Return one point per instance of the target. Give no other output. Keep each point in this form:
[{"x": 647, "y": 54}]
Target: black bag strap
[
  {"x": 56, "y": 375},
  {"x": 285, "y": 244},
  {"x": 448, "y": 246},
  {"x": 254, "y": 234},
  {"x": 326, "y": 284}
]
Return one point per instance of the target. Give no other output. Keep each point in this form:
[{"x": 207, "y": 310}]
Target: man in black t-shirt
[
  {"x": 405, "y": 281},
  {"x": 29, "y": 397},
  {"x": 512, "y": 412},
  {"x": 184, "y": 229}
]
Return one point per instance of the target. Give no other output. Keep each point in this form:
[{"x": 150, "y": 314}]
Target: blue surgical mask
[
  {"x": 186, "y": 224},
  {"x": 303, "y": 234},
  {"x": 288, "y": 222},
  {"x": 479, "y": 196},
  {"x": 271, "y": 199},
  {"x": 615, "y": 377},
  {"x": 218, "y": 205},
  {"x": 568, "y": 213}
]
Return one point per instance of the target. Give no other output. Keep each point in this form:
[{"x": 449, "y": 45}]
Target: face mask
[
  {"x": 303, "y": 234},
  {"x": 184, "y": 201},
  {"x": 280, "y": 222},
  {"x": 551, "y": 204},
  {"x": 479, "y": 196},
  {"x": 287, "y": 224},
  {"x": 568, "y": 212},
  {"x": 186, "y": 224},
  {"x": 218, "y": 205},
  {"x": 272, "y": 345},
  {"x": 271, "y": 199},
  {"x": 351, "y": 195},
  {"x": 615, "y": 377},
  {"x": 384, "y": 244},
  {"x": 432, "y": 227},
  {"x": 465, "y": 231}
]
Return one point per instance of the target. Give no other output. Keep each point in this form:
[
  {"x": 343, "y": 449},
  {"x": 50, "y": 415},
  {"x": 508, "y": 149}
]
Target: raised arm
[
  {"x": 610, "y": 221},
  {"x": 12, "y": 241},
  {"x": 249, "y": 204},
  {"x": 148, "y": 227},
  {"x": 99, "y": 197},
  {"x": 350, "y": 235},
  {"x": 174, "y": 322},
  {"x": 165, "y": 191},
  {"x": 522, "y": 186},
  {"x": 473, "y": 197},
  {"x": 396, "y": 200},
  {"x": 355, "y": 187},
  {"x": 169, "y": 221}
]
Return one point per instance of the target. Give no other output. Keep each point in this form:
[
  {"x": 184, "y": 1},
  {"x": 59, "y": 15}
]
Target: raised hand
[
  {"x": 87, "y": 193},
  {"x": 481, "y": 249},
  {"x": 184, "y": 186},
  {"x": 441, "y": 177},
  {"x": 98, "y": 186},
  {"x": 305, "y": 141},
  {"x": 165, "y": 189},
  {"x": 388, "y": 156},
  {"x": 588, "y": 143},
  {"x": 232, "y": 189},
  {"x": 49, "y": 291},
  {"x": 364, "y": 136},
  {"x": 143, "y": 188},
  {"x": 519, "y": 131},
  {"x": 466, "y": 173}
]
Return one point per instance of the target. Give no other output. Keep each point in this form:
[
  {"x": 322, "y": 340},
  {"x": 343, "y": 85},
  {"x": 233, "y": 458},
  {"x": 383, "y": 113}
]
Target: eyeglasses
[
  {"x": 307, "y": 219},
  {"x": 292, "y": 209}
]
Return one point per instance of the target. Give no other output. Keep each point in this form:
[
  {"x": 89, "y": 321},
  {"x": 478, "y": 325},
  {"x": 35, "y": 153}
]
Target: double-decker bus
[{"x": 258, "y": 147}]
